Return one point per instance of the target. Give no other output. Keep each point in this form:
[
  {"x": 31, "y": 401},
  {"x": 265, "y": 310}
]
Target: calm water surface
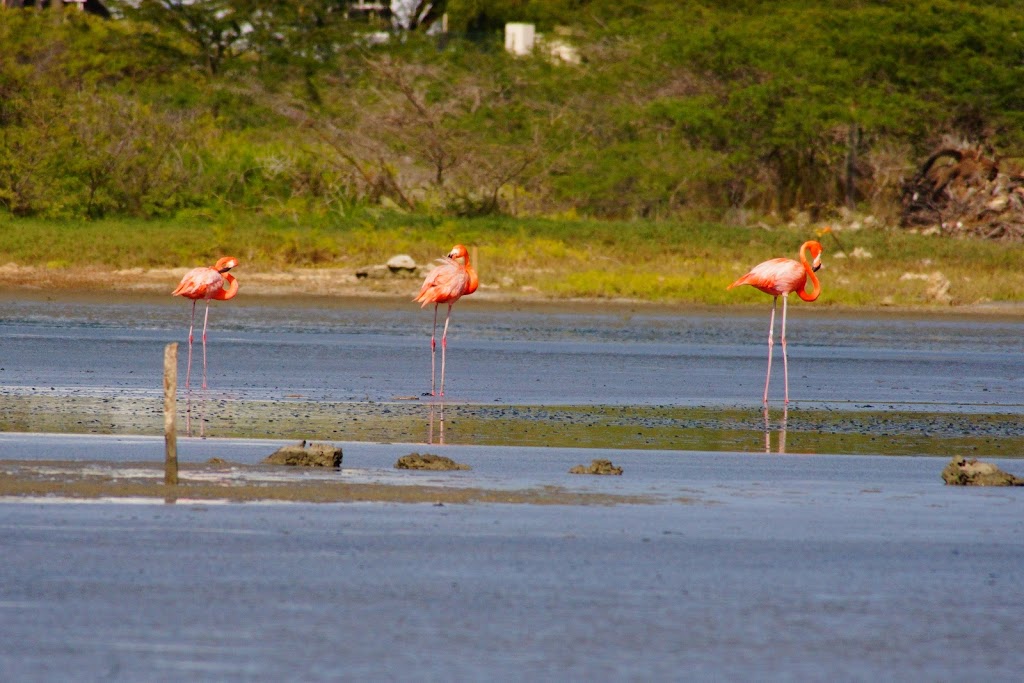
[
  {"x": 353, "y": 351},
  {"x": 744, "y": 567}
]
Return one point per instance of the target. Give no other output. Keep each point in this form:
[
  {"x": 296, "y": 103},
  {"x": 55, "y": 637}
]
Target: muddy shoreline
[
  {"x": 322, "y": 286},
  {"x": 239, "y": 483},
  {"x": 881, "y": 431}
]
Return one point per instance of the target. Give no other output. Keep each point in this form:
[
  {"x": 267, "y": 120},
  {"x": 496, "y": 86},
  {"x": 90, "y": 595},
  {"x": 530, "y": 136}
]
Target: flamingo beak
[{"x": 817, "y": 263}]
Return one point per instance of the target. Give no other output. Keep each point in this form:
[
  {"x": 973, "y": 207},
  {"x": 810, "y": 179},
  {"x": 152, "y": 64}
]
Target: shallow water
[
  {"x": 739, "y": 564},
  {"x": 743, "y": 567},
  {"x": 375, "y": 351},
  {"x": 596, "y": 376}
]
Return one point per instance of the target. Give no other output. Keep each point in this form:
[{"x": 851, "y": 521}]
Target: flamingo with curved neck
[{"x": 780, "y": 277}]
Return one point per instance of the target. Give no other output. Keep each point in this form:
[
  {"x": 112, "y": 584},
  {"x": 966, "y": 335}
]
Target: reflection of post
[{"x": 170, "y": 428}]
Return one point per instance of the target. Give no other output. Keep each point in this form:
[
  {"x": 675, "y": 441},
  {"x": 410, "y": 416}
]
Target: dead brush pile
[{"x": 962, "y": 192}]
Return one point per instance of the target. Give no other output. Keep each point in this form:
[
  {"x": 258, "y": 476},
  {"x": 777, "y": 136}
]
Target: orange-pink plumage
[
  {"x": 209, "y": 282},
  {"x": 206, "y": 282},
  {"x": 446, "y": 283},
  {"x": 781, "y": 277}
]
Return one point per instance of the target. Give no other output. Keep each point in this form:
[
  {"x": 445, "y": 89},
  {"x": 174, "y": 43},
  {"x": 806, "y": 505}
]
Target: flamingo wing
[
  {"x": 200, "y": 283},
  {"x": 775, "y": 276},
  {"x": 444, "y": 284}
]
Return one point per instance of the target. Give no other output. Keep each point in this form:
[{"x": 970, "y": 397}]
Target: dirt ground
[{"x": 297, "y": 281}]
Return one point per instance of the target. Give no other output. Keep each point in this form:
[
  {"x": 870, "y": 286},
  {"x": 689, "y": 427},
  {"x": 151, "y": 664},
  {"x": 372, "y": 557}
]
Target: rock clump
[
  {"x": 428, "y": 461},
  {"x": 306, "y": 454},
  {"x": 597, "y": 467},
  {"x": 963, "y": 472},
  {"x": 399, "y": 265}
]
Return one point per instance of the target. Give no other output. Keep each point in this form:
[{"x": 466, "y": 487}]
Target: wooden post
[{"x": 170, "y": 414}]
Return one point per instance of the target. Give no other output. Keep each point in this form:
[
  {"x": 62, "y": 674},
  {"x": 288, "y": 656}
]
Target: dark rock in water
[
  {"x": 963, "y": 472},
  {"x": 428, "y": 461},
  {"x": 306, "y": 455},
  {"x": 597, "y": 467},
  {"x": 216, "y": 461}
]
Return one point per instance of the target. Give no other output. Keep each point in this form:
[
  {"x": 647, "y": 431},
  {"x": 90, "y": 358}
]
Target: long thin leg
[
  {"x": 444, "y": 345},
  {"x": 433, "y": 347},
  {"x": 205, "y": 319},
  {"x": 188, "y": 374},
  {"x": 188, "y": 367},
  {"x": 785, "y": 360},
  {"x": 771, "y": 343}
]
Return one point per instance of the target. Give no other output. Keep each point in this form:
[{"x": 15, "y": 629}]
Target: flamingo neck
[
  {"x": 474, "y": 281},
  {"x": 230, "y": 291},
  {"x": 803, "y": 293}
]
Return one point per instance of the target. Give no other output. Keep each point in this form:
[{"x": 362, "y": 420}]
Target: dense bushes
[{"x": 677, "y": 108}]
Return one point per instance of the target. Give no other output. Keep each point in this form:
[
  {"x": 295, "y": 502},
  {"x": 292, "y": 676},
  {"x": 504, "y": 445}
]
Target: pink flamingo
[
  {"x": 446, "y": 284},
  {"x": 206, "y": 282},
  {"x": 779, "y": 277}
]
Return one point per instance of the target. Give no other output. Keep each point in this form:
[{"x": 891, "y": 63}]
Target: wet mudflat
[
  {"x": 818, "y": 558},
  {"x": 612, "y": 376},
  {"x": 583, "y": 355},
  {"x": 766, "y": 567}
]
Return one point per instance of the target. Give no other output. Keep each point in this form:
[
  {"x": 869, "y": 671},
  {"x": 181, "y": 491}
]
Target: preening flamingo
[
  {"x": 446, "y": 284},
  {"x": 779, "y": 277},
  {"x": 206, "y": 282}
]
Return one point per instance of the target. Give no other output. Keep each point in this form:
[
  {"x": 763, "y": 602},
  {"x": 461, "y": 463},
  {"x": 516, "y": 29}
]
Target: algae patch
[{"x": 428, "y": 461}]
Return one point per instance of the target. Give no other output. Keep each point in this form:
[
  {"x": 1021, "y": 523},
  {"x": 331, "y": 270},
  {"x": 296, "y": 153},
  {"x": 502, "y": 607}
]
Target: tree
[{"x": 215, "y": 29}]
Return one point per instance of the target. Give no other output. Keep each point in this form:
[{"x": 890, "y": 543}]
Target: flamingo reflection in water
[
  {"x": 436, "y": 410},
  {"x": 768, "y": 430}
]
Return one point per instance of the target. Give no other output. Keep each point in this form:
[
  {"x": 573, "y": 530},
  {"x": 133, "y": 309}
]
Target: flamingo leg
[
  {"x": 771, "y": 343},
  {"x": 188, "y": 367},
  {"x": 785, "y": 360},
  {"x": 206, "y": 318},
  {"x": 433, "y": 353},
  {"x": 444, "y": 345}
]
